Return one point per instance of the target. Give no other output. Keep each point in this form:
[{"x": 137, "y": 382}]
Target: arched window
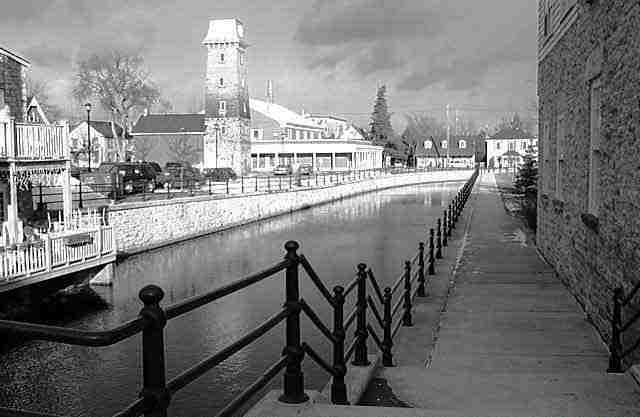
[
  {"x": 443, "y": 144},
  {"x": 462, "y": 144}
]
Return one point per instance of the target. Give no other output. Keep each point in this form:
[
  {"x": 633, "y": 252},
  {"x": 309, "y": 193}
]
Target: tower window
[{"x": 222, "y": 58}]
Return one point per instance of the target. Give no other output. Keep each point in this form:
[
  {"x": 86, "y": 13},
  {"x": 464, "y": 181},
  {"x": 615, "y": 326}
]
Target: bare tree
[
  {"x": 420, "y": 127},
  {"x": 143, "y": 146},
  {"x": 183, "y": 149},
  {"x": 120, "y": 84}
]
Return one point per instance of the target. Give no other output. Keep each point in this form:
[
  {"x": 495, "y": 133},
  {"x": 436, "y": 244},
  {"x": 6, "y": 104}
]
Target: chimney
[{"x": 270, "y": 91}]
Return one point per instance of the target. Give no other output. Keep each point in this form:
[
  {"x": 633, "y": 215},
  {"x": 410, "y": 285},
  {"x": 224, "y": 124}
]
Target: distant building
[
  {"x": 281, "y": 136},
  {"x": 13, "y": 89},
  {"x": 507, "y": 147},
  {"x": 170, "y": 137},
  {"x": 104, "y": 146},
  {"x": 459, "y": 151},
  {"x": 589, "y": 118}
]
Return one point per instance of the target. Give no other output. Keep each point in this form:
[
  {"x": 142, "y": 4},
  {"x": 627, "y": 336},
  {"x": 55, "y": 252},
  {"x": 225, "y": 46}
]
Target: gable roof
[
  {"x": 281, "y": 114},
  {"x": 34, "y": 103},
  {"x": 453, "y": 147},
  {"x": 511, "y": 133},
  {"x": 15, "y": 57},
  {"x": 169, "y": 123},
  {"x": 102, "y": 127}
]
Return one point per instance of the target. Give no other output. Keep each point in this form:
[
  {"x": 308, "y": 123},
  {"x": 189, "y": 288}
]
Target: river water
[{"x": 381, "y": 229}]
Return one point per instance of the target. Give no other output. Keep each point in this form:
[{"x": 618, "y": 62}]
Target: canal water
[{"x": 380, "y": 229}]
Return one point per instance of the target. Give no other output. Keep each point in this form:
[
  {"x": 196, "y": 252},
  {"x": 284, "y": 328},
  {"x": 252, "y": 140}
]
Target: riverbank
[{"x": 144, "y": 226}]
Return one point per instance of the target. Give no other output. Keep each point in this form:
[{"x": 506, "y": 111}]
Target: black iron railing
[
  {"x": 619, "y": 326},
  {"x": 156, "y": 393}
]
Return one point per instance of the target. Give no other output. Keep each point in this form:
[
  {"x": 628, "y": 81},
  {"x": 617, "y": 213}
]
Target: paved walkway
[{"x": 511, "y": 341}]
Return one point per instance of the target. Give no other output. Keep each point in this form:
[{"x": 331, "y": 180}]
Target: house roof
[
  {"x": 33, "y": 102},
  {"x": 14, "y": 56},
  {"x": 511, "y": 153},
  {"x": 102, "y": 127},
  {"x": 454, "y": 149},
  {"x": 169, "y": 123},
  {"x": 511, "y": 133},
  {"x": 281, "y": 114}
]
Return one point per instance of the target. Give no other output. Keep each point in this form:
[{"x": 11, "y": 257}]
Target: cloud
[
  {"x": 379, "y": 57},
  {"x": 48, "y": 55},
  {"x": 333, "y": 22}
]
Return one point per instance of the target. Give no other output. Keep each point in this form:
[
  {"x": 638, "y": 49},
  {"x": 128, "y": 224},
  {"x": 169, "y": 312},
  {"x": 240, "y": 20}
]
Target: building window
[
  {"x": 223, "y": 130},
  {"x": 221, "y": 82},
  {"x": 241, "y": 58},
  {"x": 595, "y": 116},
  {"x": 498, "y": 145},
  {"x": 316, "y": 135},
  {"x": 523, "y": 145},
  {"x": 222, "y": 107},
  {"x": 257, "y": 134},
  {"x": 462, "y": 144},
  {"x": 244, "y": 107},
  {"x": 560, "y": 134},
  {"x": 443, "y": 144},
  {"x": 428, "y": 144},
  {"x": 511, "y": 146},
  {"x": 222, "y": 58},
  {"x": 243, "y": 82}
]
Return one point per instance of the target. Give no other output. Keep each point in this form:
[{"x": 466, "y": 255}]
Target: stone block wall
[
  {"x": 12, "y": 84},
  {"x": 593, "y": 259},
  {"x": 145, "y": 225}
]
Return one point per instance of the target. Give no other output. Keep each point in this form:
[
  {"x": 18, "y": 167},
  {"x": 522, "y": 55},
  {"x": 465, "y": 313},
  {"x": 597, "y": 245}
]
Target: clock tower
[{"x": 227, "y": 114}]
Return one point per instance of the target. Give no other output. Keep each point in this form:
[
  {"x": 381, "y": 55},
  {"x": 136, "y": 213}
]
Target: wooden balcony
[
  {"x": 33, "y": 142},
  {"x": 55, "y": 255}
]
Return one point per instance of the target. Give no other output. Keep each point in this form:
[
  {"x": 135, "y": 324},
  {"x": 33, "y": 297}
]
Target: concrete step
[{"x": 542, "y": 394}]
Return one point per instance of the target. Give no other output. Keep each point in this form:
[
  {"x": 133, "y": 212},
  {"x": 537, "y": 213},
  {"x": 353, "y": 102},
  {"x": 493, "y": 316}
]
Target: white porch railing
[
  {"x": 54, "y": 253},
  {"x": 32, "y": 141}
]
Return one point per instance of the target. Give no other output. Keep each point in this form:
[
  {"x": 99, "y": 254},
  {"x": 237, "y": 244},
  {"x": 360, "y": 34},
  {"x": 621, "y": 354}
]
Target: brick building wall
[
  {"x": 12, "y": 86},
  {"x": 592, "y": 259}
]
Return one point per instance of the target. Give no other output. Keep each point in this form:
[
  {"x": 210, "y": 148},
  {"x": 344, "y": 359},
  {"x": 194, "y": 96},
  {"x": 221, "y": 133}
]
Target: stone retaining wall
[{"x": 146, "y": 225}]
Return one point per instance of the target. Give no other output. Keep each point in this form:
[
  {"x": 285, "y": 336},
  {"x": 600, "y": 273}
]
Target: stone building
[
  {"x": 458, "y": 151},
  {"x": 227, "y": 113},
  {"x": 13, "y": 89},
  {"x": 589, "y": 152}
]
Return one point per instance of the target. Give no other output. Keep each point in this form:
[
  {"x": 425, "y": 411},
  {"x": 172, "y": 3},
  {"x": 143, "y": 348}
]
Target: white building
[
  {"x": 281, "y": 136},
  {"x": 506, "y": 148}
]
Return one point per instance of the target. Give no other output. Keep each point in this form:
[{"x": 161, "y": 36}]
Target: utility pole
[{"x": 448, "y": 135}]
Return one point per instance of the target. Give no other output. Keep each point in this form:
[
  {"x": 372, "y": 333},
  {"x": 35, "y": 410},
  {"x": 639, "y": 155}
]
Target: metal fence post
[
  {"x": 454, "y": 208},
  {"x": 445, "y": 242},
  {"x": 242, "y": 184},
  {"x": 387, "y": 341},
  {"x": 227, "y": 185},
  {"x": 79, "y": 193},
  {"x": 153, "y": 363},
  {"x": 209, "y": 185},
  {"x": 406, "y": 317},
  {"x": 256, "y": 183},
  {"x": 338, "y": 387},
  {"x": 432, "y": 260},
  {"x": 360, "y": 357},
  {"x": 421, "y": 290},
  {"x": 439, "y": 240},
  {"x": 293, "y": 376},
  {"x": 450, "y": 220},
  {"x": 615, "y": 347}
]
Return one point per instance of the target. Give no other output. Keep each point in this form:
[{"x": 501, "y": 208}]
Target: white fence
[
  {"x": 55, "y": 252},
  {"x": 32, "y": 141}
]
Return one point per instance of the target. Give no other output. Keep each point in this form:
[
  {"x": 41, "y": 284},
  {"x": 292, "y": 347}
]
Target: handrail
[
  {"x": 196, "y": 371},
  {"x": 316, "y": 279},
  {"x": 374, "y": 284},
  {"x": 200, "y": 300},
  {"x": 316, "y": 320}
]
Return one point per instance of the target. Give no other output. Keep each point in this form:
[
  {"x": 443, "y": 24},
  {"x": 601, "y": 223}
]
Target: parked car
[
  {"x": 305, "y": 169},
  {"x": 157, "y": 170},
  {"x": 282, "y": 170},
  {"x": 182, "y": 175},
  {"x": 130, "y": 177},
  {"x": 219, "y": 174}
]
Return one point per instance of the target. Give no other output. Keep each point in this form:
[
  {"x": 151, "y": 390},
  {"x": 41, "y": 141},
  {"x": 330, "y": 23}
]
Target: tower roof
[{"x": 224, "y": 31}]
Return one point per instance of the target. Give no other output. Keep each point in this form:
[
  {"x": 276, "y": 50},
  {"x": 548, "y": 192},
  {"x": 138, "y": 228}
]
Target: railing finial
[{"x": 151, "y": 295}]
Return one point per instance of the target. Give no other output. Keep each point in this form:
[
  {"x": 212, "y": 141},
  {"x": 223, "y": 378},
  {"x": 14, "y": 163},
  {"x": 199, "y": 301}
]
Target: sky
[{"x": 323, "y": 56}]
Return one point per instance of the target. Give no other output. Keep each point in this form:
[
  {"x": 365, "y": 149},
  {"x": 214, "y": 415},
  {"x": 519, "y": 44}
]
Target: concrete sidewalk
[{"x": 511, "y": 341}]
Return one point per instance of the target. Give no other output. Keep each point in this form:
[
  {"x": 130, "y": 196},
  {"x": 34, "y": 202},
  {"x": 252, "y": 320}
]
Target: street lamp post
[{"x": 88, "y": 108}]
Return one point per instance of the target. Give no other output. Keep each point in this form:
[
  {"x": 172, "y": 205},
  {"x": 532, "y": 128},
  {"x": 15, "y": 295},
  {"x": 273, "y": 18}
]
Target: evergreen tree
[
  {"x": 381, "y": 132},
  {"x": 528, "y": 174}
]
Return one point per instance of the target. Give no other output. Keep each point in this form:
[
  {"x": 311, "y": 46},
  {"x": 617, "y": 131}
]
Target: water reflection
[{"x": 380, "y": 228}]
